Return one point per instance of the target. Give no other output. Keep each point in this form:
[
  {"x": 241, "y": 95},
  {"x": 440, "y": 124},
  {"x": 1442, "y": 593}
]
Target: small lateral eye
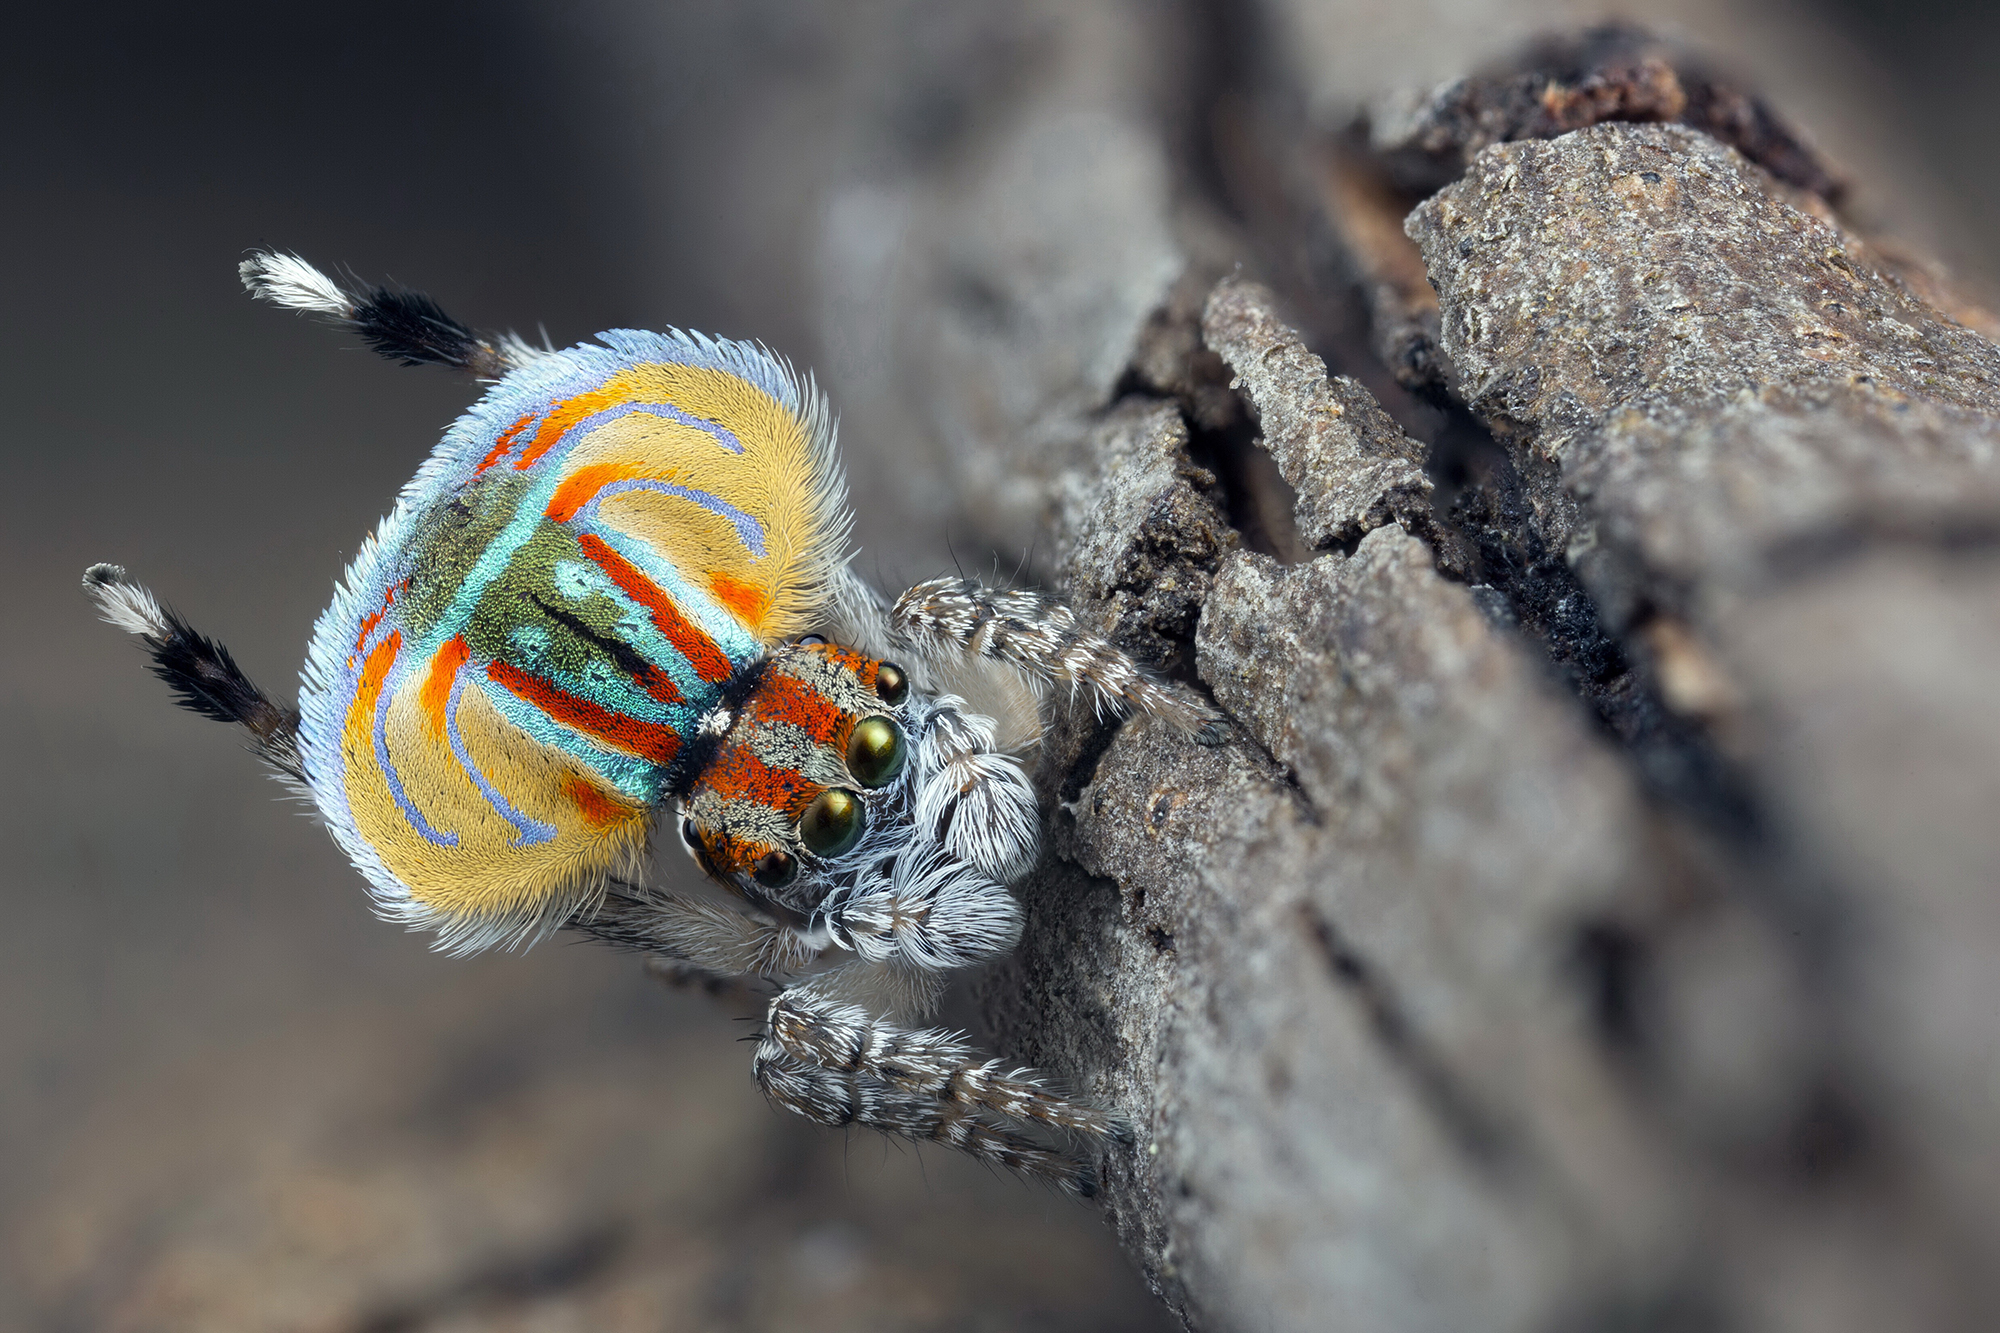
[
  {"x": 690, "y": 836},
  {"x": 774, "y": 870},
  {"x": 832, "y": 823},
  {"x": 875, "y": 752},
  {"x": 891, "y": 685},
  {"x": 811, "y": 640}
]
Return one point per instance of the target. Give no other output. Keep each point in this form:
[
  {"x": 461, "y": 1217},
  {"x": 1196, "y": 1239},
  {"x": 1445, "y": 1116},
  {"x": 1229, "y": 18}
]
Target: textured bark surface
[{"x": 1591, "y": 924}]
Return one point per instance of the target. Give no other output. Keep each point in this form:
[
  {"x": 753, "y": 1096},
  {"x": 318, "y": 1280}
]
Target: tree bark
[{"x": 1593, "y": 920}]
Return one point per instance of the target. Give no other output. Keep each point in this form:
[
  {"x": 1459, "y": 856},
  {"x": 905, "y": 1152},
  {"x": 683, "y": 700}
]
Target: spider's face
[{"x": 835, "y": 784}]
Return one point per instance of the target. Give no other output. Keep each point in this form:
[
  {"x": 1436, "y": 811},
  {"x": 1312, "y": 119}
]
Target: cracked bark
[{"x": 1593, "y": 922}]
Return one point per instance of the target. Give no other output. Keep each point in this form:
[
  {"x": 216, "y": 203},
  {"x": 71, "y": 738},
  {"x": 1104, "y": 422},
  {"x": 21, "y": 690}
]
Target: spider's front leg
[
  {"x": 1043, "y": 639},
  {"x": 829, "y": 1054},
  {"x": 834, "y": 1062}
]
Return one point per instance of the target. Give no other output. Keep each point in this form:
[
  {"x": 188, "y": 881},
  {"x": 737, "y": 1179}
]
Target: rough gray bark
[{"x": 1593, "y": 923}]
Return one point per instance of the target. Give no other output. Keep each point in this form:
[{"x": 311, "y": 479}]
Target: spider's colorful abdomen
[{"x": 509, "y": 678}]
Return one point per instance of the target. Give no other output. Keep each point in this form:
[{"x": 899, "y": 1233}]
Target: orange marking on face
[
  {"x": 435, "y": 695},
  {"x": 598, "y": 810},
  {"x": 747, "y": 601},
  {"x": 504, "y": 443},
  {"x": 631, "y": 735},
  {"x": 564, "y": 415},
  {"x": 581, "y": 487},
  {"x": 737, "y": 773},
  {"x": 694, "y": 644},
  {"x": 860, "y": 664},
  {"x": 782, "y": 698}
]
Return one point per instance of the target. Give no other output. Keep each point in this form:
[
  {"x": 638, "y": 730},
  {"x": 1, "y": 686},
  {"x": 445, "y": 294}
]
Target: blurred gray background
[{"x": 229, "y": 1098}]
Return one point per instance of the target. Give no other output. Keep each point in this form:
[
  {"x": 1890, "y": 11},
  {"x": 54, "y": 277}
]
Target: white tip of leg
[
  {"x": 124, "y": 603},
  {"x": 291, "y": 282}
]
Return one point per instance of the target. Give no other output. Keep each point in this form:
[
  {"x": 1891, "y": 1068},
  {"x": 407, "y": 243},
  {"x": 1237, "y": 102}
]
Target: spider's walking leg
[
  {"x": 1041, "y": 637},
  {"x": 407, "y": 327},
  {"x": 204, "y": 677},
  {"x": 838, "y": 1064},
  {"x": 714, "y": 940}
]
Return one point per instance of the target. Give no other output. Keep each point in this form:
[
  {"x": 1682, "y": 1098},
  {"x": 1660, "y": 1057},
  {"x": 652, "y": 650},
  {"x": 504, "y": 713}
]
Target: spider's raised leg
[
  {"x": 204, "y": 677},
  {"x": 407, "y": 327},
  {"x": 838, "y": 1064},
  {"x": 1039, "y": 636}
]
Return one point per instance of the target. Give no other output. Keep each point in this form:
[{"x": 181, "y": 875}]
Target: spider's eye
[
  {"x": 811, "y": 640},
  {"x": 832, "y": 823},
  {"x": 875, "y": 752},
  {"x": 689, "y": 836},
  {"x": 774, "y": 870},
  {"x": 890, "y": 683}
]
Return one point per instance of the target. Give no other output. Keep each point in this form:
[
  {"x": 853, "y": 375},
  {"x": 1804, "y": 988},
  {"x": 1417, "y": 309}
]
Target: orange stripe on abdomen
[
  {"x": 693, "y": 643},
  {"x": 748, "y": 602},
  {"x": 580, "y": 487},
  {"x": 376, "y": 671},
  {"x": 504, "y": 443},
  {"x": 564, "y": 415},
  {"x": 374, "y": 618},
  {"x": 357, "y": 743},
  {"x": 435, "y": 696},
  {"x": 618, "y": 731},
  {"x": 597, "y": 809}
]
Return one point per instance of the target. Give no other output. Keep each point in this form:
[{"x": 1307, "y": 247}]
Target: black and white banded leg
[
  {"x": 838, "y": 1064},
  {"x": 407, "y": 327},
  {"x": 1041, "y": 637},
  {"x": 204, "y": 677}
]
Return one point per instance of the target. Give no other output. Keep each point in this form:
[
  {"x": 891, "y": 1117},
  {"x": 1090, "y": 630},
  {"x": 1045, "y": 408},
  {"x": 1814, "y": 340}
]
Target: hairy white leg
[
  {"x": 718, "y": 939},
  {"x": 1039, "y": 636},
  {"x": 838, "y": 1064}
]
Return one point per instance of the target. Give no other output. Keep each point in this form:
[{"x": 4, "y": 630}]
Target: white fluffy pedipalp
[
  {"x": 124, "y": 603},
  {"x": 980, "y": 800},
  {"x": 996, "y": 824},
  {"x": 932, "y": 911},
  {"x": 290, "y": 281}
]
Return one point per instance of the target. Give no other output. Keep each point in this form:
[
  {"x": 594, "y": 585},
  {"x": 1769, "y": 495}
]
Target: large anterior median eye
[
  {"x": 875, "y": 752},
  {"x": 832, "y": 823}
]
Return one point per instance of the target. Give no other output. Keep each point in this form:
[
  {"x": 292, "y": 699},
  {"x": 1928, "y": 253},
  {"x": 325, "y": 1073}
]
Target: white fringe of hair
[
  {"x": 291, "y": 282},
  {"x": 124, "y": 603}
]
